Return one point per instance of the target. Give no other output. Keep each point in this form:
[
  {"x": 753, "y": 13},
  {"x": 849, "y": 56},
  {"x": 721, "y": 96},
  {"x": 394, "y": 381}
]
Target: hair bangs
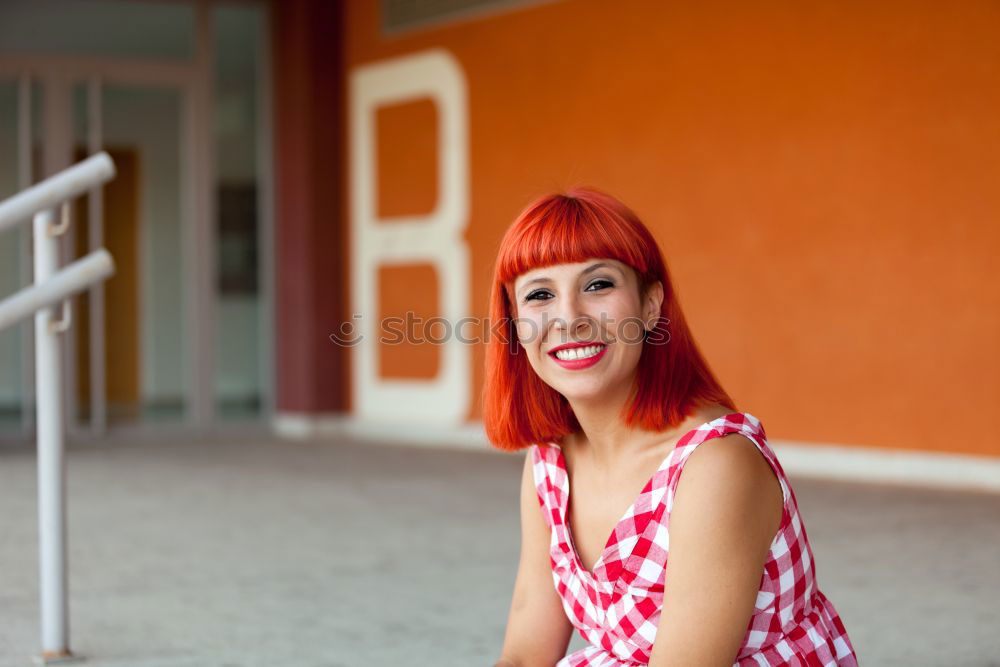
[{"x": 565, "y": 229}]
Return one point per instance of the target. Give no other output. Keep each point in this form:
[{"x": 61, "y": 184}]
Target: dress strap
[
  {"x": 746, "y": 425},
  {"x": 551, "y": 482}
]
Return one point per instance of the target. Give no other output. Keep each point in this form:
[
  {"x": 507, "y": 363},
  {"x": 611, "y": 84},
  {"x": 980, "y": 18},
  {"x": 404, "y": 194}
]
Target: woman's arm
[
  {"x": 538, "y": 631},
  {"x": 727, "y": 510}
]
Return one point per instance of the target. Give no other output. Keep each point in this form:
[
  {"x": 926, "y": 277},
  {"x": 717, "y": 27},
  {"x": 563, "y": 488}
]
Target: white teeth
[{"x": 579, "y": 352}]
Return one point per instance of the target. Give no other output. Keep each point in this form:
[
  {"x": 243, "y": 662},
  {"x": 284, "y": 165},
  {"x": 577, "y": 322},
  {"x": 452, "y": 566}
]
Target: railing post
[
  {"x": 51, "y": 464},
  {"x": 51, "y": 288}
]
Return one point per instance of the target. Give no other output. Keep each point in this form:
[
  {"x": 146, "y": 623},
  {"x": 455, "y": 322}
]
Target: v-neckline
[{"x": 614, "y": 529}]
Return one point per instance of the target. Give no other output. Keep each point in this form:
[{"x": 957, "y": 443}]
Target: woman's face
[{"x": 594, "y": 312}]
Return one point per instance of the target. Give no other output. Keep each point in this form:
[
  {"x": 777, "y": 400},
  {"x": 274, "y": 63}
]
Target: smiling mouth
[{"x": 576, "y": 353}]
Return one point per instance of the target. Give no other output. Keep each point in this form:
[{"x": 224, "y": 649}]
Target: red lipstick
[{"x": 578, "y": 364}]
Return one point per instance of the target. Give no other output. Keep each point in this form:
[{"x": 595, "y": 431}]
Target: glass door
[
  {"x": 127, "y": 356},
  {"x": 176, "y": 93},
  {"x": 129, "y": 347},
  {"x": 16, "y": 343}
]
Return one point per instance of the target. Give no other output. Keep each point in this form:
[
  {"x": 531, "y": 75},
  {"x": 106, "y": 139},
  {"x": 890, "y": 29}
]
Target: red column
[{"x": 311, "y": 242}]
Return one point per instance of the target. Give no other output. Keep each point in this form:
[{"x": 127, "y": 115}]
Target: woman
[{"x": 599, "y": 379}]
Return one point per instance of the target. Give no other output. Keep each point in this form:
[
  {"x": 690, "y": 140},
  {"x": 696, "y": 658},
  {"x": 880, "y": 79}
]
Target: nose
[{"x": 570, "y": 321}]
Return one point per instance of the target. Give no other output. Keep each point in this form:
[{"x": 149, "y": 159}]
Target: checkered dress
[{"x": 617, "y": 607}]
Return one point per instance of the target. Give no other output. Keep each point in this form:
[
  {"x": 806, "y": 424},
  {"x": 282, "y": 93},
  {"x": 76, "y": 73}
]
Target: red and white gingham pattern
[{"x": 616, "y": 608}]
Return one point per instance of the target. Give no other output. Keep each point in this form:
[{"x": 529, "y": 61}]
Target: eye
[
  {"x": 534, "y": 296},
  {"x": 600, "y": 282}
]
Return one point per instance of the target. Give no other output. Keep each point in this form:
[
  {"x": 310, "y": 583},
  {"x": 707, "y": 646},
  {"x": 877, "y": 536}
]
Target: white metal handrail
[
  {"x": 53, "y": 191},
  {"x": 72, "y": 278},
  {"x": 39, "y": 204}
]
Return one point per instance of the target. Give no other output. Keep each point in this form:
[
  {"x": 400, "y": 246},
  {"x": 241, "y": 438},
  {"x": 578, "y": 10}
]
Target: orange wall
[{"x": 824, "y": 179}]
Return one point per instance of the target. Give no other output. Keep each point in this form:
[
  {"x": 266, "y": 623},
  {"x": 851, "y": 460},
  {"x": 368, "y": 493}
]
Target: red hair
[{"x": 672, "y": 378}]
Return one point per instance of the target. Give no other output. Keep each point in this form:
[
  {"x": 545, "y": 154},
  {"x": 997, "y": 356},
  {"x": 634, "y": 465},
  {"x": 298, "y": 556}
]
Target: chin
[{"x": 582, "y": 391}]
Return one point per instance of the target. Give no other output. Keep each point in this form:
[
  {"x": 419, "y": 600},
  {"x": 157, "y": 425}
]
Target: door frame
[{"x": 194, "y": 81}]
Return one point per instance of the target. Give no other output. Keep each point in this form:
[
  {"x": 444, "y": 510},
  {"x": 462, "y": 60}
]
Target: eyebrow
[{"x": 589, "y": 269}]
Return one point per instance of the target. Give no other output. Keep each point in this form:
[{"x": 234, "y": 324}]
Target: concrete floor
[{"x": 252, "y": 551}]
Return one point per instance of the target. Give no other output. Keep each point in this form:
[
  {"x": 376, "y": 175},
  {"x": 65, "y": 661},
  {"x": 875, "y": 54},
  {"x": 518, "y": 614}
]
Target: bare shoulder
[
  {"x": 731, "y": 474},
  {"x": 732, "y": 455}
]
